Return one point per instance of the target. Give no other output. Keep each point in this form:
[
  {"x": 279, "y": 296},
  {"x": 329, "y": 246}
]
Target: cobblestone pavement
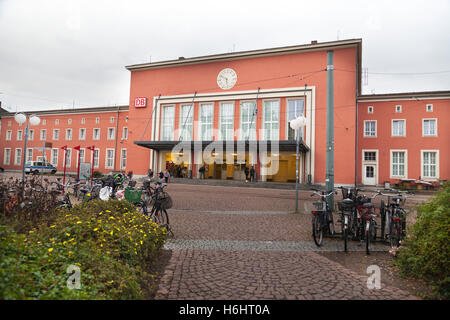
[{"x": 254, "y": 248}]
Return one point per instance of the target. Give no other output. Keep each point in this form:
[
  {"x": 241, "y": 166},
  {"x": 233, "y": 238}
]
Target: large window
[
  {"x": 43, "y": 134},
  {"x": 206, "y": 122},
  {"x": 248, "y": 120},
  {"x": 125, "y": 133},
  {"x": 7, "y": 156},
  {"x": 96, "y": 155},
  {"x": 271, "y": 120},
  {"x": 82, "y": 155},
  {"x": 31, "y": 135},
  {"x": 96, "y": 134},
  {"x": 19, "y": 135},
  {"x": 370, "y": 128},
  {"x": 295, "y": 108},
  {"x": 398, "y": 164},
  {"x": 123, "y": 159},
  {"x": 82, "y": 134},
  {"x": 54, "y": 157},
  {"x": 430, "y": 164},
  {"x": 29, "y": 156},
  {"x": 226, "y": 121},
  {"x": 398, "y": 128},
  {"x": 18, "y": 157},
  {"x": 68, "y": 158},
  {"x": 68, "y": 134},
  {"x": 109, "y": 163},
  {"x": 55, "y": 134},
  {"x": 111, "y": 133},
  {"x": 186, "y": 121},
  {"x": 168, "y": 121},
  {"x": 429, "y": 128},
  {"x": 8, "y": 135}
]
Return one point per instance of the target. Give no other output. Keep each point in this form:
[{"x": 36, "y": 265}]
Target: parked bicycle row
[
  {"x": 357, "y": 217},
  {"x": 39, "y": 196}
]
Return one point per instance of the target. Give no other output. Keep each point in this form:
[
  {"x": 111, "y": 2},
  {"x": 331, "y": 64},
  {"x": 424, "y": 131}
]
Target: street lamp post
[
  {"x": 33, "y": 120},
  {"x": 297, "y": 124}
]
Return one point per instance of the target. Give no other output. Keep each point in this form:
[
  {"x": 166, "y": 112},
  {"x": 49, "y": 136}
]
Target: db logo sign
[{"x": 140, "y": 102}]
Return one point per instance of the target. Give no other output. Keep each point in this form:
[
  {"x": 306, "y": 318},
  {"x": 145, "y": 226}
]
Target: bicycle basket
[
  {"x": 166, "y": 200},
  {"x": 132, "y": 195}
]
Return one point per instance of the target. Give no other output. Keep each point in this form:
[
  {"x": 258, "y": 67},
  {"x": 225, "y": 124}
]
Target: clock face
[{"x": 227, "y": 78}]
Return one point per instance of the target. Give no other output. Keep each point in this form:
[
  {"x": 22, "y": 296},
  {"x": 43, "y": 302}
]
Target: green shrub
[
  {"x": 97, "y": 174},
  {"x": 425, "y": 253},
  {"x": 110, "y": 241}
]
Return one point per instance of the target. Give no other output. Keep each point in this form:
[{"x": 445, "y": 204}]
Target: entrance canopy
[{"x": 283, "y": 145}]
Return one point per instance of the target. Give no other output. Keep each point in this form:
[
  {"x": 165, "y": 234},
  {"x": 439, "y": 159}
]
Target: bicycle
[
  {"x": 322, "y": 217},
  {"x": 395, "y": 218}
]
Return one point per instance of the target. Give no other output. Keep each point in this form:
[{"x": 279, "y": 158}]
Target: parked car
[{"x": 37, "y": 167}]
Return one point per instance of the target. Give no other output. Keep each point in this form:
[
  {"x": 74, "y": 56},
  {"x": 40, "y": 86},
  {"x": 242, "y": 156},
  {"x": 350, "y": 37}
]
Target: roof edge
[{"x": 405, "y": 95}]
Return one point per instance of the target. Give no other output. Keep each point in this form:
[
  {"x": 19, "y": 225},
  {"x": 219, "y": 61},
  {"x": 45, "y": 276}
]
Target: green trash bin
[{"x": 133, "y": 195}]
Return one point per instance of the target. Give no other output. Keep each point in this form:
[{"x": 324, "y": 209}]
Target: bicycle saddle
[
  {"x": 347, "y": 202},
  {"x": 368, "y": 205}
]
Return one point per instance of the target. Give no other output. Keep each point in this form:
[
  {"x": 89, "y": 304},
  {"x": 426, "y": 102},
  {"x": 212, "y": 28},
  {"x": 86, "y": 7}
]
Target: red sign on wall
[{"x": 140, "y": 102}]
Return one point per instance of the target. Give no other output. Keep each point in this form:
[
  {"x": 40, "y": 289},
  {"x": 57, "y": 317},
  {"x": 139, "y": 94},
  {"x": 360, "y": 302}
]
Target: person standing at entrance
[
  {"x": 246, "y": 171},
  {"x": 161, "y": 177},
  {"x": 167, "y": 175},
  {"x": 202, "y": 172},
  {"x": 252, "y": 174}
]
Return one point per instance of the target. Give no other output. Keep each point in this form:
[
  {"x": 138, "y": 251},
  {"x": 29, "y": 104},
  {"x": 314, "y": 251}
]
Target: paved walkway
[{"x": 257, "y": 255}]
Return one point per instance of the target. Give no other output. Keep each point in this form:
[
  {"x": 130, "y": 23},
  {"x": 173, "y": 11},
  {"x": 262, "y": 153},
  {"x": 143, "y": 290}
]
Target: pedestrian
[
  {"x": 150, "y": 173},
  {"x": 161, "y": 177},
  {"x": 202, "y": 172},
  {"x": 167, "y": 175},
  {"x": 246, "y": 171},
  {"x": 252, "y": 174}
]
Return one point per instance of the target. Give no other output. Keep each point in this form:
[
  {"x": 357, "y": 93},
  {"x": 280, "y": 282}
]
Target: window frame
[
  {"x": 55, "y": 164},
  {"x": 182, "y": 121},
  {"x": 436, "y": 177},
  {"x": 93, "y": 134},
  {"x": 200, "y": 130},
  {"x": 405, "y": 164},
  {"x": 69, "y": 138},
  {"x": 122, "y": 158},
  {"x": 392, "y": 128},
  {"x": 249, "y": 132},
  {"x": 221, "y": 122},
  {"x": 19, "y": 138},
  {"x": 17, "y": 163},
  {"x": 40, "y": 136},
  {"x": 7, "y": 163},
  {"x": 170, "y": 133},
  {"x": 55, "y": 130},
  {"x": 108, "y": 136},
  {"x": 435, "y": 127},
  {"x": 365, "y": 131},
  {"x": 264, "y": 122},
  {"x": 302, "y": 133},
  {"x": 82, "y": 138},
  {"x": 112, "y": 160}
]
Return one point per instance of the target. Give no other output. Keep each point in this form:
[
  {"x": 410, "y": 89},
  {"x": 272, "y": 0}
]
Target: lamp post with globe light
[
  {"x": 297, "y": 124},
  {"x": 32, "y": 120}
]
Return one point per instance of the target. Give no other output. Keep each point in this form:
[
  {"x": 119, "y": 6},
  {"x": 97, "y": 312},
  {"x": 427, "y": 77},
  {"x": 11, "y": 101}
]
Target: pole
[
  {"x": 296, "y": 172},
  {"x": 24, "y": 157},
  {"x": 92, "y": 164},
  {"x": 330, "y": 131},
  {"x": 65, "y": 162}
]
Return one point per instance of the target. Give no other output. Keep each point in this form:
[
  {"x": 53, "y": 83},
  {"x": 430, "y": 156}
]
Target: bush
[
  {"x": 110, "y": 241},
  {"x": 425, "y": 252},
  {"x": 97, "y": 174}
]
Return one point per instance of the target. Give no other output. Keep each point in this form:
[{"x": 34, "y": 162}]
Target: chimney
[{"x": 314, "y": 42}]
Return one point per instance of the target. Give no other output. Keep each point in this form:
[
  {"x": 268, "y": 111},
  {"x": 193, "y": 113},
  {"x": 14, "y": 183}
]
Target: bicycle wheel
[
  {"x": 317, "y": 230},
  {"x": 142, "y": 208},
  {"x": 394, "y": 237},
  {"x": 161, "y": 217},
  {"x": 368, "y": 233}
]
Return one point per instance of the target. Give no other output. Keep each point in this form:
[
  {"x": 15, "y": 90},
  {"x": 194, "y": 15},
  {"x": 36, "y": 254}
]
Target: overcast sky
[{"x": 60, "y": 54}]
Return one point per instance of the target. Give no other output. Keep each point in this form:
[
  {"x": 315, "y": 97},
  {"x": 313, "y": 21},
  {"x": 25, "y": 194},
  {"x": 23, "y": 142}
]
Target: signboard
[
  {"x": 140, "y": 102},
  {"x": 85, "y": 171}
]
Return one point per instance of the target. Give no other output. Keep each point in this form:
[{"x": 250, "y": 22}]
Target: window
[
  {"x": 295, "y": 108},
  {"x": 43, "y": 134},
  {"x": 271, "y": 115},
  {"x": 398, "y": 109},
  {"x": 126, "y": 119},
  {"x": 82, "y": 155},
  {"x": 248, "y": 120},
  {"x": 29, "y": 155},
  {"x": 96, "y": 134},
  {"x": 96, "y": 155},
  {"x": 370, "y": 128},
  {"x": 68, "y": 157},
  {"x": 429, "y": 127},
  {"x": 206, "y": 122},
  {"x": 168, "y": 119},
  {"x": 83, "y": 120},
  {"x": 111, "y": 120},
  {"x": 370, "y": 109},
  {"x": 430, "y": 164},
  {"x": 56, "y": 122},
  {"x": 226, "y": 131},
  {"x": 97, "y": 120},
  {"x": 8, "y": 135},
  {"x": 111, "y": 133},
  {"x": 125, "y": 133},
  {"x": 18, "y": 157},
  {"x": 398, "y": 164},
  {"x": 398, "y": 128},
  {"x": 9, "y": 123},
  {"x": 370, "y": 156},
  {"x": 54, "y": 157},
  {"x": 109, "y": 161},
  {"x": 31, "y": 135},
  {"x": 123, "y": 158},
  {"x": 55, "y": 134},
  {"x": 19, "y": 135},
  {"x": 68, "y": 134},
  {"x": 44, "y": 122},
  {"x": 82, "y": 134},
  {"x": 429, "y": 108},
  {"x": 69, "y": 121},
  {"x": 186, "y": 122},
  {"x": 7, "y": 156}
]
